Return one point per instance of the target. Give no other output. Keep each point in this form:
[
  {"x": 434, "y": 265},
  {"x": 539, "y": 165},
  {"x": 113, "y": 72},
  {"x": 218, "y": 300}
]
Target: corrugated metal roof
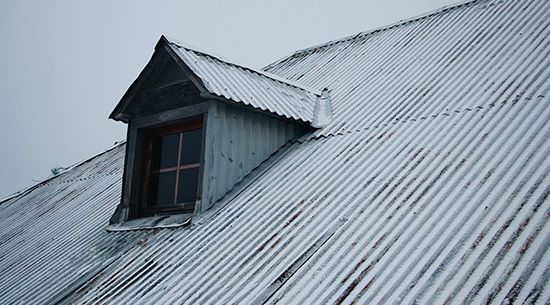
[
  {"x": 474, "y": 55},
  {"x": 433, "y": 190},
  {"x": 255, "y": 88}
]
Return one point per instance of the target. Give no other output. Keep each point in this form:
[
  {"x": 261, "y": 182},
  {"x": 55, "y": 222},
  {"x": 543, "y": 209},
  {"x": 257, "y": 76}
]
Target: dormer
[{"x": 197, "y": 125}]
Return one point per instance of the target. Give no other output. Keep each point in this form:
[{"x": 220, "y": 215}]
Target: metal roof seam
[{"x": 309, "y": 138}]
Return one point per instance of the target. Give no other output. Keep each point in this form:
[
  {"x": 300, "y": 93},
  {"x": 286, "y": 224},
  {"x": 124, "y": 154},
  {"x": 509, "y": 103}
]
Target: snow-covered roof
[{"x": 429, "y": 185}]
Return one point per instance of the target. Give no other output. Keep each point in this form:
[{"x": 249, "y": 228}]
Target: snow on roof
[
  {"x": 252, "y": 87},
  {"x": 430, "y": 185}
]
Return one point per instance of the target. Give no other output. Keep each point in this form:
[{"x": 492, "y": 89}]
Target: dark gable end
[{"x": 164, "y": 84}]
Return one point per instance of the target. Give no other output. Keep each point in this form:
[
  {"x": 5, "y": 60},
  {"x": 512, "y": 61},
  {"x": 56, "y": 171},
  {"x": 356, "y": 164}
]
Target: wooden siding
[{"x": 164, "y": 86}]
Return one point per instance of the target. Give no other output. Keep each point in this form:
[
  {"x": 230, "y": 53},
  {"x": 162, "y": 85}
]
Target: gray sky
[{"x": 65, "y": 64}]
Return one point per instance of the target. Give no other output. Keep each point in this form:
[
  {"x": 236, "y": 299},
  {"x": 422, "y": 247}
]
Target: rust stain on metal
[
  {"x": 362, "y": 291},
  {"x": 354, "y": 284}
]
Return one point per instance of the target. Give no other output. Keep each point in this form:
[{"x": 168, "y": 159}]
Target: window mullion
[
  {"x": 178, "y": 168},
  {"x": 191, "y": 165}
]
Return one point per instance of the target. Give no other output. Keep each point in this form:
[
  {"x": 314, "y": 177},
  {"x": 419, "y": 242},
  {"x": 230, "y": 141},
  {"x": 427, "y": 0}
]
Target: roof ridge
[
  {"x": 260, "y": 72},
  {"x": 390, "y": 26}
]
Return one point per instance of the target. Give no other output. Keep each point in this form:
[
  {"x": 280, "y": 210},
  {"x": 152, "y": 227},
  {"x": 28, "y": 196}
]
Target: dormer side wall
[{"x": 237, "y": 141}]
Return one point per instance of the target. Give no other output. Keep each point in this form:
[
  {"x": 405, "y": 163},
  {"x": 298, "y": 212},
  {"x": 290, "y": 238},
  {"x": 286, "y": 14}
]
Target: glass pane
[
  {"x": 191, "y": 149},
  {"x": 162, "y": 187},
  {"x": 165, "y": 151},
  {"x": 188, "y": 182}
]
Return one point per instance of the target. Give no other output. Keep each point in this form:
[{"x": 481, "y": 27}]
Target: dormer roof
[{"x": 234, "y": 83}]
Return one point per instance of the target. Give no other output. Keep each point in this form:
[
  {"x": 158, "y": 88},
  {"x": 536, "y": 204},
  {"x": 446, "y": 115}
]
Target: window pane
[
  {"x": 188, "y": 182},
  {"x": 191, "y": 149},
  {"x": 162, "y": 187},
  {"x": 165, "y": 151}
]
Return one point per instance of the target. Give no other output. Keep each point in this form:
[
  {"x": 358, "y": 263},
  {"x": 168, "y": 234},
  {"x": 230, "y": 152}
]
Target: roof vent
[{"x": 322, "y": 113}]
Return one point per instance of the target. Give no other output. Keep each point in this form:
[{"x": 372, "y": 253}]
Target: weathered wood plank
[{"x": 171, "y": 115}]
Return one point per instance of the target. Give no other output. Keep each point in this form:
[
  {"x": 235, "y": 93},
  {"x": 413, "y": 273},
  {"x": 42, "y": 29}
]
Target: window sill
[{"x": 153, "y": 222}]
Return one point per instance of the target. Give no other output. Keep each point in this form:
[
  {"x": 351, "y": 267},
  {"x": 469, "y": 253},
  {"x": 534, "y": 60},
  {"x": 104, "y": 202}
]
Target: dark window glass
[
  {"x": 191, "y": 149},
  {"x": 188, "y": 183},
  {"x": 173, "y": 171},
  {"x": 162, "y": 188},
  {"x": 165, "y": 151}
]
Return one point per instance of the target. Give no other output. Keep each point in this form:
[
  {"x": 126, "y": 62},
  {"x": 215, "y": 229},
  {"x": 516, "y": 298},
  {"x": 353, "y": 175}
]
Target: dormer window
[
  {"x": 197, "y": 126},
  {"x": 171, "y": 168}
]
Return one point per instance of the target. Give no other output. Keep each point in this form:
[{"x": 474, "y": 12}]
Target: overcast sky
[{"x": 64, "y": 65}]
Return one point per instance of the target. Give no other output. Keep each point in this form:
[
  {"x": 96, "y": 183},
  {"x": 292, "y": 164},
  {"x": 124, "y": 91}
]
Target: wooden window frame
[{"x": 147, "y": 136}]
